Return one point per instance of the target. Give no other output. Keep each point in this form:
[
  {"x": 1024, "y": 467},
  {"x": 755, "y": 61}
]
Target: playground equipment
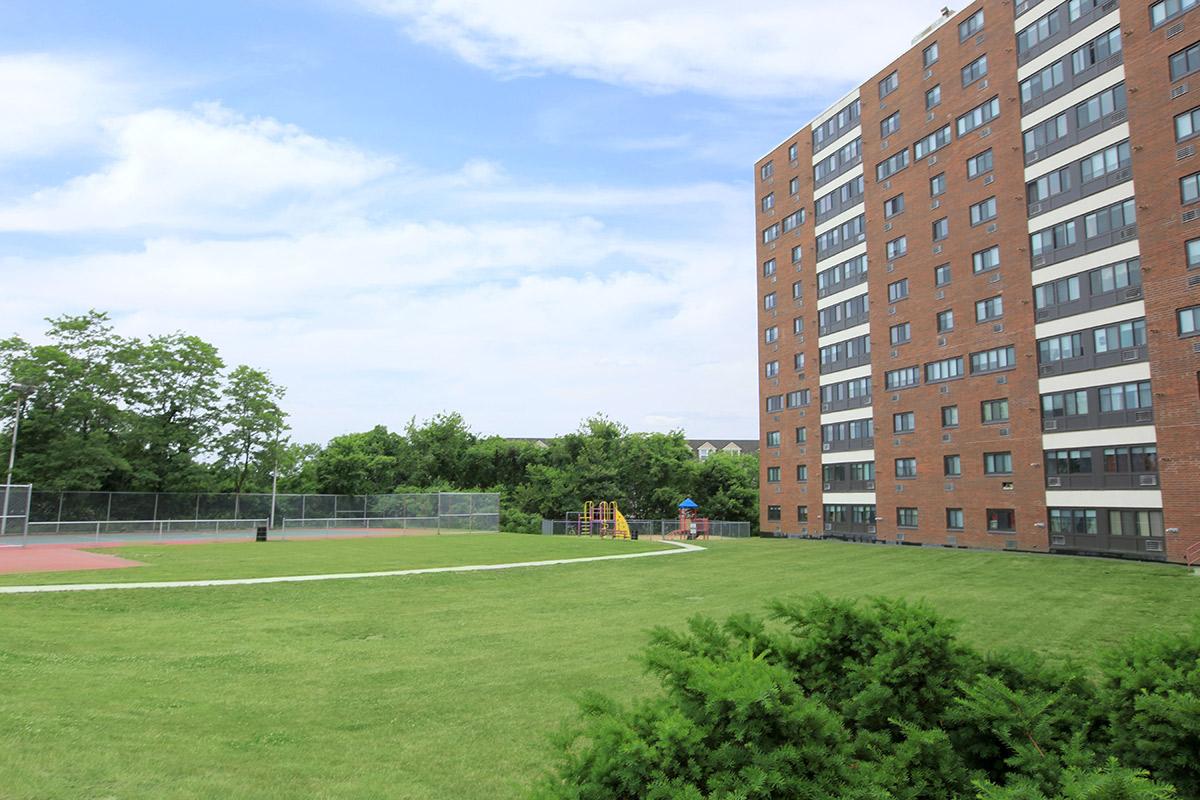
[
  {"x": 691, "y": 526},
  {"x": 603, "y": 519}
]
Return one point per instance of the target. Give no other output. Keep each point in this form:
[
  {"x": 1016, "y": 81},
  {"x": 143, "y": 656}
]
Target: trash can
[{"x": 260, "y": 533}]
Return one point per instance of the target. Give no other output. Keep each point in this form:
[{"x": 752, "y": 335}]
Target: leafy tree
[
  {"x": 361, "y": 463},
  {"x": 726, "y": 487},
  {"x": 252, "y": 423},
  {"x": 437, "y": 450}
]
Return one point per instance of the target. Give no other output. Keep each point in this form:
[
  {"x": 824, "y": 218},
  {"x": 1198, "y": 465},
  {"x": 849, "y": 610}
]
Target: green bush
[
  {"x": 834, "y": 699},
  {"x": 1151, "y": 691},
  {"x": 514, "y": 521}
]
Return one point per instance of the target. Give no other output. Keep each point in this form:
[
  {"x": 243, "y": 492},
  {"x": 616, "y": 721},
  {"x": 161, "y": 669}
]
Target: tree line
[{"x": 166, "y": 414}]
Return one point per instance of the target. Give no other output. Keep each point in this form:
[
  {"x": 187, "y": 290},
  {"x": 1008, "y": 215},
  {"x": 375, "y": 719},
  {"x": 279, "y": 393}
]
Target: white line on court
[{"x": 680, "y": 547}]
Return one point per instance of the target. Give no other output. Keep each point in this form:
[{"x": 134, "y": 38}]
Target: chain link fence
[
  {"x": 115, "y": 512},
  {"x": 652, "y": 527},
  {"x": 14, "y": 508}
]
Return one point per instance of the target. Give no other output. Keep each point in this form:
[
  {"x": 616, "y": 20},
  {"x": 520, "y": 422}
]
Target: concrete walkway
[{"x": 677, "y": 548}]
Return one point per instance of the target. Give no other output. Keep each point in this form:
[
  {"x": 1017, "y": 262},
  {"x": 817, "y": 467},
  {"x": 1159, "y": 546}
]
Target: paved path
[{"x": 677, "y": 549}]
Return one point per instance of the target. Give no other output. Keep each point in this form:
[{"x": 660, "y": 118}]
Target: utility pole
[{"x": 22, "y": 390}]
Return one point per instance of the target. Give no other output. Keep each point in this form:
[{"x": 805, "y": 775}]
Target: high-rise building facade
[{"x": 979, "y": 290}]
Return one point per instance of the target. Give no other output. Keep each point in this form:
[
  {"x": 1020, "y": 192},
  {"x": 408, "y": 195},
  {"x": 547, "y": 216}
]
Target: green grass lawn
[
  {"x": 446, "y": 686},
  {"x": 322, "y": 556}
]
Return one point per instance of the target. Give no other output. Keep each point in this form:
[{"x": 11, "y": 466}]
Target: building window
[
  {"x": 772, "y": 369},
  {"x": 937, "y": 184},
  {"x": 798, "y": 290},
  {"x": 1120, "y": 336},
  {"x": 898, "y": 290},
  {"x": 954, "y": 519},
  {"x": 941, "y": 229},
  {"x": 1135, "y": 523},
  {"x": 970, "y": 26},
  {"x": 773, "y": 439},
  {"x": 889, "y": 84},
  {"x": 768, "y": 202},
  {"x": 769, "y": 301},
  {"x": 1058, "y": 292},
  {"x": 897, "y": 247},
  {"x": 906, "y": 517},
  {"x": 893, "y": 207},
  {"x": 794, "y": 186},
  {"x": 1185, "y": 62},
  {"x": 801, "y": 473},
  {"x": 1189, "y": 321},
  {"x": 889, "y": 125},
  {"x": 1189, "y": 188},
  {"x": 944, "y": 370},
  {"x": 773, "y": 474},
  {"x": 1059, "y": 348},
  {"x": 799, "y": 397},
  {"x": 801, "y": 513},
  {"x": 899, "y": 334},
  {"x": 933, "y": 98},
  {"x": 766, "y": 170},
  {"x": 985, "y": 260},
  {"x": 929, "y": 55},
  {"x": 932, "y": 143},
  {"x": 768, "y": 268},
  {"x": 974, "y": 71},
  {"x": 774, "y": 513},
  {"x": 983, "y": 211},
  {"x": 1166, "y": 10},
  {"x": 991, "y": 308},
  {"x": 794, "y": 220},
  {"x": 888, "y": 168},
  {"x": 774, "y": 403},
  {"x": 1192, "y": 250},
  {"x": 771, "y": 334},
  {"x": 945, "y": 320},
  {"x": 994, "y": 410},
  {"x": 952, "y": 466},
  {"x": 906, "y": 468},
  {"x": 949, "y": 416},
  {"x": 993, "y": 360},
  {"x": 798, "y": 362},
  {"x": 941, "y": 275},
  {"x": 771, "y": 233},
  {"x": 792, "y": 152},
  {"x": 1001, "y": 519},
  {"x": 980, "y": 164},
  {"x": 1065, "y": 404},
  {"x": 798, "y": 325},
  {"x": 979, "y": 116},
  {"x": 797, "y": 253},
  {"x": 904, "y": 422},
  {"x": 902, "y": 378},
  {"x": 1095, "y": 51},
  {"x": 1187, "y": 124},
  {"x": 801, "y": 435},
  {"x": 997, "y": 463}
]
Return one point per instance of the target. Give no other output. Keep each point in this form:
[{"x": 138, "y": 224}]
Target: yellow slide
[{"x": 622, "y": 527}]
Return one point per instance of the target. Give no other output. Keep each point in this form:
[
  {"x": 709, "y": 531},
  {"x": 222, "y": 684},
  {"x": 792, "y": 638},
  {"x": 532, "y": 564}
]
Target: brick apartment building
[{"x": 979, "y": 290}]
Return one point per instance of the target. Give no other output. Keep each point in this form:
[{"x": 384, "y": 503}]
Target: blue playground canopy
[{"x": 688, "y": 503}]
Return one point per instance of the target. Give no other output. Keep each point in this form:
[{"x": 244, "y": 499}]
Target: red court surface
[{"x": 57, "y": 559}]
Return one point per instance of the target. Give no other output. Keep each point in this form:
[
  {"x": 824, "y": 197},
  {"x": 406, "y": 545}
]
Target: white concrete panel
[
  {"x": 848, "y": 498},
  {"x": 1104, "y": 437},
  {"x": 1077, "y": 151},
  {"x": 846, "y": 375},
  {"x": 1091, "y": 319},
  {"x": 828, "y": 113},
  {"x": 841, "y": 296},
  {"x": 847, "y": 456},
  {"x": 1070, "y": 44},
  {"x": 1084, "y": 205},
  {"x": 841, "y": 336},
  {"x": 831, "y": 417},
  {"x": 1104, "y": 498},
  {"x": 1076, "y": 95},
  {"x": 1109, "y": 255},
  {"x": 1124, "y": 373}
]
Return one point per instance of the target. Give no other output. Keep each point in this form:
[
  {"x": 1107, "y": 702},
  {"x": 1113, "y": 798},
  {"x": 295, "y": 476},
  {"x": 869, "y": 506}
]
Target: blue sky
[{"x": 528, "y": 212}]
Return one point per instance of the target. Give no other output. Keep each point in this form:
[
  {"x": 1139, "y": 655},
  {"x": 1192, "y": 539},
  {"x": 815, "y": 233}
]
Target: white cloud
[
  {"x": 203, "y": 168},
  {"x": 50, "y": 101},
  {"x": 708, "y": 46}
]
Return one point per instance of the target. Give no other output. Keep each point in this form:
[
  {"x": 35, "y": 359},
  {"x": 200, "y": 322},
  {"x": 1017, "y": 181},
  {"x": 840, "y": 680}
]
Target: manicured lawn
[
  {"x": 446, "y": 686},
  {"x": 322, "y": 556}
]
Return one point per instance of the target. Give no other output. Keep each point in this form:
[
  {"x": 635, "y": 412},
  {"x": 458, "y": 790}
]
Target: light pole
[
  {"x": 22, "y": 391},
  {"x": 274, "y": 482}
]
